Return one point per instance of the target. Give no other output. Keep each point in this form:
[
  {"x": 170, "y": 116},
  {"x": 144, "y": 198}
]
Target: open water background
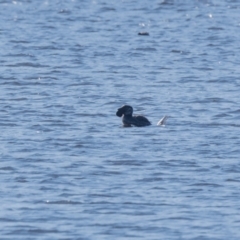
[{"x": 68, "y": 169}]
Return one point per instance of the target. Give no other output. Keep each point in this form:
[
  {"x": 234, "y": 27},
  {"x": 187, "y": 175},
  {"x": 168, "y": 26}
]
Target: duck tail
[{"x": 162, "y": 121}]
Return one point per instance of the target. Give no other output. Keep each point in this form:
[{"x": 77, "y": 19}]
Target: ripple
[{"x": 68, "y": 167}]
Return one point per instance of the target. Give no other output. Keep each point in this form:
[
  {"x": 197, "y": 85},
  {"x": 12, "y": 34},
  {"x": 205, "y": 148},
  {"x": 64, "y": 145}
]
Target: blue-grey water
[{"x": 68, "y": 168}]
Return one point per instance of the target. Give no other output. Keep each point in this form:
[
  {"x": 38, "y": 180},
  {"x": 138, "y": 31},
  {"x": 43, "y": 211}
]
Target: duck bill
[{"x": 119, "y": 113}]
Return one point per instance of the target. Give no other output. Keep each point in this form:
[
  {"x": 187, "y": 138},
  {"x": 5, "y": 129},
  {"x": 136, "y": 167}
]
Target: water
[{"x": 69, "y": 170}]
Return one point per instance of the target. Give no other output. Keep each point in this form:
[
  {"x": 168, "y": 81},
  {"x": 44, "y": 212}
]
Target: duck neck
[{"x": 127, "y": 115}]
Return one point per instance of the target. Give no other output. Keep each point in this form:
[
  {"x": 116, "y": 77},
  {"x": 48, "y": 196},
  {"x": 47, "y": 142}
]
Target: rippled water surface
[{"x": 69, "y": 170}]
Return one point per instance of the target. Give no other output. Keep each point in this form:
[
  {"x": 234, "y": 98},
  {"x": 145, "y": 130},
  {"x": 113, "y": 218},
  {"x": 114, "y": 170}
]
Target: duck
[{"x": 128, "y": 119}]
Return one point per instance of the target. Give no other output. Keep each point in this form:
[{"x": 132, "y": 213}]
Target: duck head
[{"x": 124, "y": 110}]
